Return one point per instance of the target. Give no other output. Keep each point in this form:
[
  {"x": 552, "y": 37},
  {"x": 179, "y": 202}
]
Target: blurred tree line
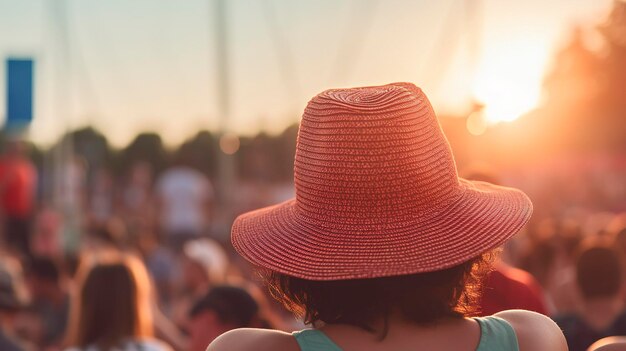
[
  {"x": 581, "y": 115},
  {"x": 263, "y": 157},
  {"x": 585, "y": 89}
]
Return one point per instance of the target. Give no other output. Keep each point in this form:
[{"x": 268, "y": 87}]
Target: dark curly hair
[{"x": 422, "y": 298}]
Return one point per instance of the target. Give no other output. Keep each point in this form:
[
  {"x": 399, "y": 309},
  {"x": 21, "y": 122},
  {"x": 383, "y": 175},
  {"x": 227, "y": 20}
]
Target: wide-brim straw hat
[{"x": 377, "y": 195}]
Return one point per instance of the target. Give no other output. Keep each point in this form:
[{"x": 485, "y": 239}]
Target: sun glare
[
  {"x": 505, "y": 99},
  {"x": 509, "y": 85}
]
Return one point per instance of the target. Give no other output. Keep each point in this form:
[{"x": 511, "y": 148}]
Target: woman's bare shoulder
[
  {"x": 535, "y": 331},
  {"x": 250, "y": 339}
]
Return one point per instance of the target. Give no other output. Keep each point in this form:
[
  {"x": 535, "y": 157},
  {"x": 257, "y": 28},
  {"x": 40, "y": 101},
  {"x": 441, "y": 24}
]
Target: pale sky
[{"x": 149, "y": 65}]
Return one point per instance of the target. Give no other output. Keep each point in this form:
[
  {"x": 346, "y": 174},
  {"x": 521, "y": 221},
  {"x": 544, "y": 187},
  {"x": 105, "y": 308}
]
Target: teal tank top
[{"x": 496, "y": 334}]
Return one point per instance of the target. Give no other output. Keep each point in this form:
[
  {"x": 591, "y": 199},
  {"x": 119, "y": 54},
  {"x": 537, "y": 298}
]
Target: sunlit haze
[
  {"x": 149, "y": 65},
  {"x": 509, "y": 92}
]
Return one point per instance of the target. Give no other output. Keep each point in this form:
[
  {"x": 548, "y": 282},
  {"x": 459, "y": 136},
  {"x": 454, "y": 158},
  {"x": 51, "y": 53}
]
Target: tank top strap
[
  {"x": 496, "y": 334},
  {"x": 314, "y": 340}
]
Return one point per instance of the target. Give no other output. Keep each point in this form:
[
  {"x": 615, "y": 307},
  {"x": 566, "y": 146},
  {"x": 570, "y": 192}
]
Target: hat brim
[{"x": 280, "y": 239}]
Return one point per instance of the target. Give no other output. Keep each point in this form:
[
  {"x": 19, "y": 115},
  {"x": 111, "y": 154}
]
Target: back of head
[
  {"x": 44, "y": 278},
  {"x": 222, "y": 309},
  {"x": 612, "y": 343},
  {"x": 210, "y": 256},
  {"x": 619, "y": 239},
  {"x": 233, "y": 306},
  {"x": 13, "y": 292},
  {"x": 14, "y": 146},
  {"x": 45, "y": 269},
  {"x": 598, "y": 271},
  {"x": 112, "y": 232},
  {"x": 111, "y": 304}
]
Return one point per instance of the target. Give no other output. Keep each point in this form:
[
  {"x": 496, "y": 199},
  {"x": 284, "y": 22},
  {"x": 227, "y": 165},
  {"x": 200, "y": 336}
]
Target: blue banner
[{"x": 19, "y": 93}]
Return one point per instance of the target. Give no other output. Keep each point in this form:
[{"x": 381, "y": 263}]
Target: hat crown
[
  {"x": 377, "y": 195},
  {"x": 372, "y": 155}
]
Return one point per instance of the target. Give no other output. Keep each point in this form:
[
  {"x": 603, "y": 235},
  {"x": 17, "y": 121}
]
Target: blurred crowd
[
  {"x": 120, "y": 262},
  {"x": 143, "y": 262}
]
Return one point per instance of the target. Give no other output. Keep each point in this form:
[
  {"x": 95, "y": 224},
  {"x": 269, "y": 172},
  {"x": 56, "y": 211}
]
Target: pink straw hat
[{"x": 377, "y": 195}]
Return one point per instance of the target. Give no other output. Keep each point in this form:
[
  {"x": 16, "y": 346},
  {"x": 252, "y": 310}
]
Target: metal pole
[
  {"x": 226, "y": 163},
  {"x": 70, "y": 210},
  {"x": 473, "y": 20}
]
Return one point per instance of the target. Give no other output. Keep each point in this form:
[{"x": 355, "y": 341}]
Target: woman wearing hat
[{"x": 384, "y": 245}]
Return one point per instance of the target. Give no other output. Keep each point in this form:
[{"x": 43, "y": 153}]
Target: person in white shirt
[{"x": 185, "y": 197}]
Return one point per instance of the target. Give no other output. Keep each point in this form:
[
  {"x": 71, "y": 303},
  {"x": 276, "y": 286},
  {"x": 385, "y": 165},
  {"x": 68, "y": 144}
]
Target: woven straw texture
[{"x": 377, "y": 194}]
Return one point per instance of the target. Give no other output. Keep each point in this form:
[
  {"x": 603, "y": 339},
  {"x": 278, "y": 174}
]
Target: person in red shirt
[
  {"x": 18, "y": 180},
  {"x": 508, "y": 288}
]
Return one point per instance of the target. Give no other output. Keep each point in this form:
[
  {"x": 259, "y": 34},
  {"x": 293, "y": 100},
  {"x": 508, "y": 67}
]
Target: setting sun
[
  {"x": 509, "y": 75},
  {"x": 509, "y": 84}
]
